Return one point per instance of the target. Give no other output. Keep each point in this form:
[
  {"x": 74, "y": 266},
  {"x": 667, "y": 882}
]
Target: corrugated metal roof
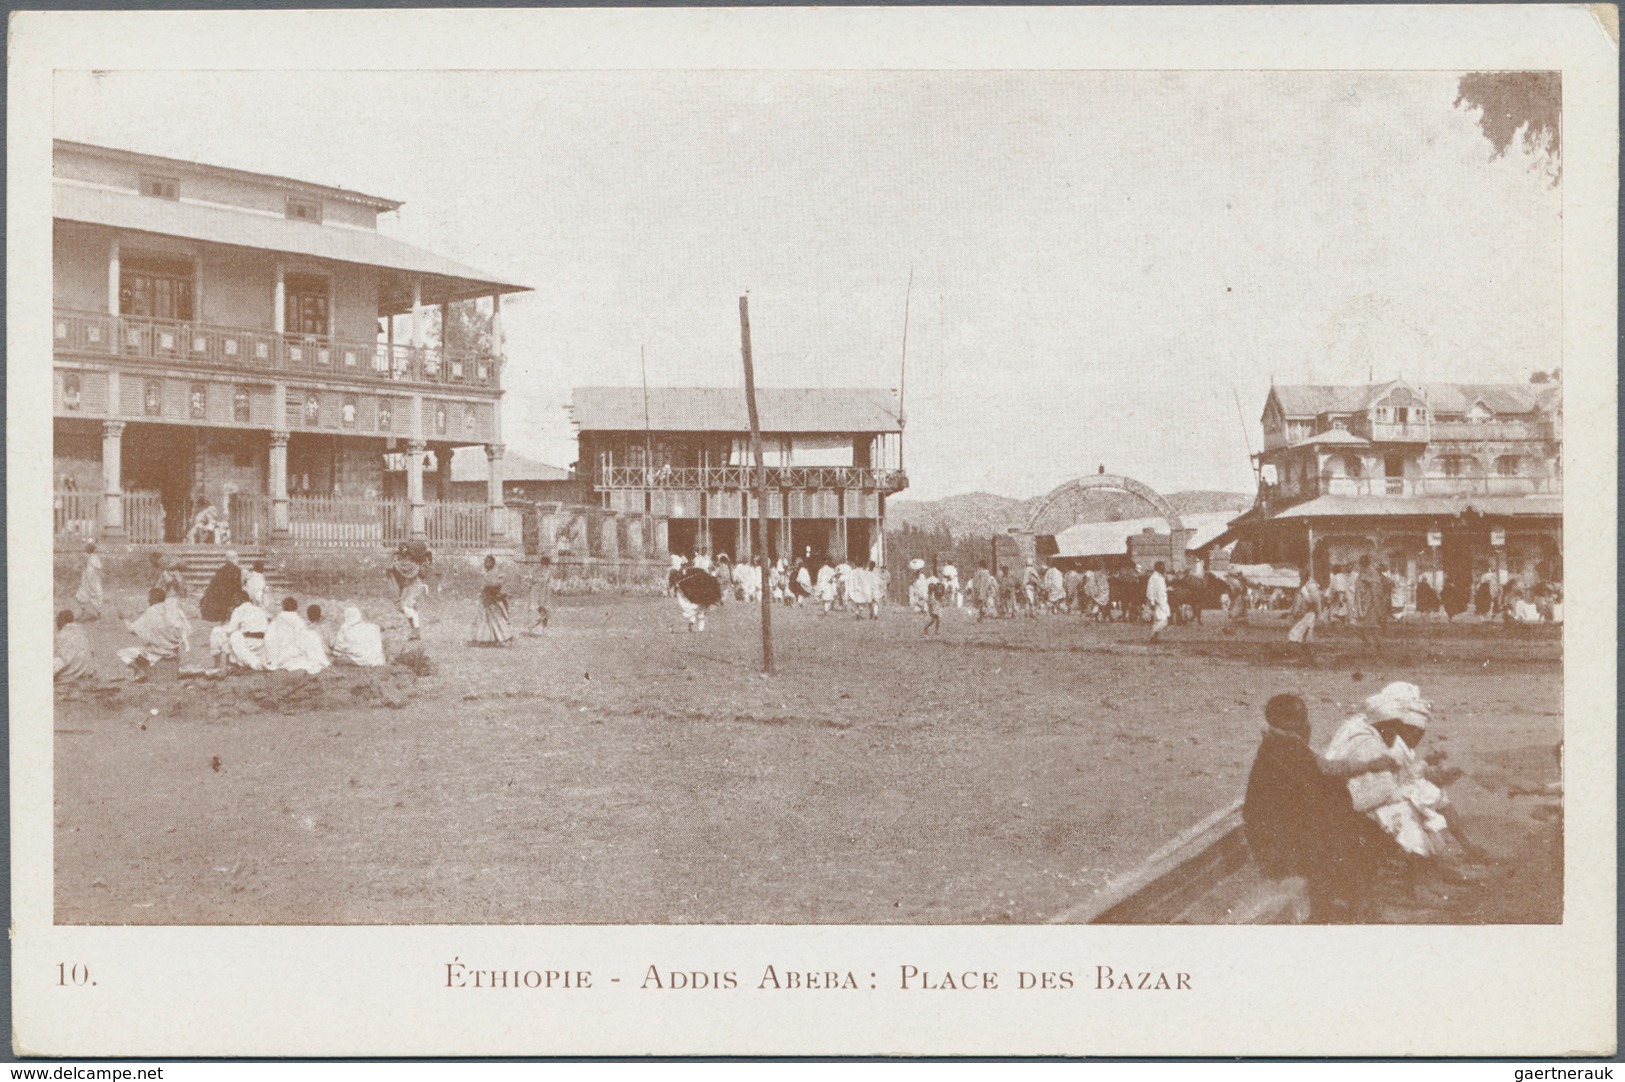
[
  {"x": 1302, "y": 400},
  {"x": 1111, "y": 538},
  {"x": 243, "y": 229},
  {"x": 1340, "y": 437},
  {"x": 722, "y": 409},
  {"x": 470, "y": 464},
  {"x": 142, "y": 157},
  {"x": 1340, "y": 506}
]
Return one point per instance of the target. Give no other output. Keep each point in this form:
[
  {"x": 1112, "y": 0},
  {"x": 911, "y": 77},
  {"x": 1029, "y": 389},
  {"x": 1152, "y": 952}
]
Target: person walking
[{"x": 1156, "y": 595}]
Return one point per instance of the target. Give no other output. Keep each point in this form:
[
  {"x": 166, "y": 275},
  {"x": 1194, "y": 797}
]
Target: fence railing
[
  {"x": 1440, "y": 486},
  {"x": 737, "y": 478},
  {"x": 168, "y": 341},
  {"x": 78, "y": 515}
]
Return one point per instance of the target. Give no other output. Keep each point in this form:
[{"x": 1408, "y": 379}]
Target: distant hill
[{"x": 982, "y": 514}]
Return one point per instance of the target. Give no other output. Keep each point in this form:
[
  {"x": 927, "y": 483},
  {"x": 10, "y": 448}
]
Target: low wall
[{"x": 362, "y": 572}]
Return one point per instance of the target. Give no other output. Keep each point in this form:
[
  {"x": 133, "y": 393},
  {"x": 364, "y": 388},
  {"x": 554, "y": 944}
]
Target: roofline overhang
[{"x": 348, "y": 195}]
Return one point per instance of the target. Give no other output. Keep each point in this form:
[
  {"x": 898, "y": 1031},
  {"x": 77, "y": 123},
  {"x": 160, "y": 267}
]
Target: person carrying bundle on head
[{"x": 697, "y": 591}]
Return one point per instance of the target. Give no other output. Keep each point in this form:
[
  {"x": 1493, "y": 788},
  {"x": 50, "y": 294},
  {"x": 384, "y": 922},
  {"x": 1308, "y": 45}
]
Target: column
[
  {"x": 417, "y": 313},
  {"x": 415, "y": 527},
  {"x": 277, "y": 482},
  {"x": 493, "y": 487},
  {"x": 415, "y": 368},
  {"x": 279, "y": 312},
  {"x": 497, "y": 341},
  {"x": 609, "y": 538},
  {"x": 112, "y": 479},
  {"x": 634, "y": 537},
  {"x": 114, "y": 279}
]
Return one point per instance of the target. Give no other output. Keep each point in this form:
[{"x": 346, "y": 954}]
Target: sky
[{"x": 1108, "y": 268}]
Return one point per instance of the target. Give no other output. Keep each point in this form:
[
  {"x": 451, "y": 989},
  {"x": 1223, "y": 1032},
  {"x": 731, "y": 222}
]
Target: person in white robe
[
  {"x": 72, "y": 662},
  {"x": 89, "y": 594},
  {"x": 254, "y": 585},
  {"x": 1411, "y": 808},
  {"x": 863, "y": 590},
  {"x": 240, "y": 641},
  {"x": 826, "y": 587},
  {"x": 164, "y": 631},
  {"x": 291, "y": 645},
  {"x": 358, "y": 642},
  {"x": 1156, "y": 595}
]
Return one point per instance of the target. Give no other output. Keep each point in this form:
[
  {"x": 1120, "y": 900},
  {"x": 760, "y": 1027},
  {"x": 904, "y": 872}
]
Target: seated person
[
  {"x": 358, "y": 642},
  {"x": 1406, "y": 803},
  {"x": 290, "y": 644},
  {"x": 164, "y": 632},
  {"x": 72, "y": 662},
  {"x": 1299, "y": 819},
  {"x": 240, "y": 641}
]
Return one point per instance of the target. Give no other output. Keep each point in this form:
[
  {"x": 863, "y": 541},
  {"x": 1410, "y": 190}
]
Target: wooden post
[{"x": 761, "y": 478}]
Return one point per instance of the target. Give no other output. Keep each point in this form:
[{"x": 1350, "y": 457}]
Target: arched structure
[
  {"x": 1177, "y": 533},
  {"x": 1112, "y": 481}
]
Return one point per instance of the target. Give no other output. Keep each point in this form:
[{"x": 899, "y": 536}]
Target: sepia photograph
[{"x": 809, "y": 496}]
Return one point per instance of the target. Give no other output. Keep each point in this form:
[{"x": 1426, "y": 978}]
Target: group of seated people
[
  {"x": 1336, "y": 818},
  {"x": 251, "y": 639},
  {"x": 254, "y": 640}
]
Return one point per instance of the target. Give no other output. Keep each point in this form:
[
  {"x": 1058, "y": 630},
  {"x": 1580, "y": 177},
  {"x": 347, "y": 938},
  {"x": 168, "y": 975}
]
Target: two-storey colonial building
[
  {"x": 255, "y": 342},
  {"x": 1457, "y": 477},
  {"x": 681, "y": 458}
]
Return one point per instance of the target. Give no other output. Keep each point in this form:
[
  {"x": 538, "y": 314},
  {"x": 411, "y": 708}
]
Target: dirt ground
[{"x": 617, "y": 769}]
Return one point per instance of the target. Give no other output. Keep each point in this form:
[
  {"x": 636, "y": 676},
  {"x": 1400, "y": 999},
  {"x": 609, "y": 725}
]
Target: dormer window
[
  {"x": 160, "y": 187},
  {"x": 304, "y": 210}
]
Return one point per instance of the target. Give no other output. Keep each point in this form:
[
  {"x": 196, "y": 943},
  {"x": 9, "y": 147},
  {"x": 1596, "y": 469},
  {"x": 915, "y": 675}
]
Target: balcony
[
  {"x": 1393, "y": 432},
  {"x": 142, "y": 340},
  {"x": 743, "y": 478},
  {"x": 1440, "y": 486},
  {"x": 1490, "y": 431}
]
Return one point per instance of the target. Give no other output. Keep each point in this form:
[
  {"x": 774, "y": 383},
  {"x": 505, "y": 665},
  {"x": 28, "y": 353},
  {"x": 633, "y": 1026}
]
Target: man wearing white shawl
[
  {"x": 358, "y": 642},
  {"x": 291, "y": 645},
  {"x": 863, "y": 590},
  {"x": 164, "y": 631},
  {"x": 1409, "y": 807}
]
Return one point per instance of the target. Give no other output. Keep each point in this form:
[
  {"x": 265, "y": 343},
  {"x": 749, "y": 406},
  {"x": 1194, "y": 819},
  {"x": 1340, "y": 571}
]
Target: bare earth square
[{"x": 618, "y": 770}]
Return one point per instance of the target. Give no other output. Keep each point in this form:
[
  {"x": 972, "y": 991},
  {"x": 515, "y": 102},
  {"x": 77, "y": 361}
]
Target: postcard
[{"x": 855, "y": 531}]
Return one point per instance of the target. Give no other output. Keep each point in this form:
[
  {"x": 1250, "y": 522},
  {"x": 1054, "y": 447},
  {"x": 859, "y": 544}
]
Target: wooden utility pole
[{"x": 761, "y": 483}]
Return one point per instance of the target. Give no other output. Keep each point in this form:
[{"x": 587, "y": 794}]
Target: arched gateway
[{"x": 1115, "y": 482}]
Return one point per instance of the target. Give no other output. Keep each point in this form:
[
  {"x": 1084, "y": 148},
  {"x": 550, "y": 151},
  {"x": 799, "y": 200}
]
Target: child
[
  {"x": 541, "y": 593},
  {"x": 935, "y": 592}
]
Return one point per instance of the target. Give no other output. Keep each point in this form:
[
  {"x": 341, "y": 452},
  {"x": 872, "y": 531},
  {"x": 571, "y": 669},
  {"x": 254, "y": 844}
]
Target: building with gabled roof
[
  {"x": 253, "y": 343},
  {"x": 1450, "y": 479},
  {"x": 679, "y": 459}
]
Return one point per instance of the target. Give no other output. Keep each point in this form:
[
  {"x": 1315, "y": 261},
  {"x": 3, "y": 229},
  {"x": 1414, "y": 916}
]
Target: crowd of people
[{"x": 701, "y": 581}]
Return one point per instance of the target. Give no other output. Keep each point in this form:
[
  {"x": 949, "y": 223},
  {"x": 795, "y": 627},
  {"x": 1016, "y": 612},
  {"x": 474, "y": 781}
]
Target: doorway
[{"x": 162, "y": 459}]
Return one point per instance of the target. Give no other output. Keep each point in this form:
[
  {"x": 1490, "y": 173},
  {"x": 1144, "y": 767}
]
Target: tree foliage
[{"x": 1518, "y": 106}]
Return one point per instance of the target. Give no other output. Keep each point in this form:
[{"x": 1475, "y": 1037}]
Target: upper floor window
[
  {"x": 304, "y": 210},
  {"x": 471, "y": 419},
  {"x": 160, "y": 187},
  {"x": 1507, "y": 466},
  {"x": 386, "y": 415},
  {"x": 156, "y": 288},
  {"x": 71, "y": 390},
  {"x": 198, "y": 402},
  {"x": 239, "y": 405},
  {"x": 349, "y": 411},
  {"x": 151, "y": 398},
  {"x": 305, "y": 305}
]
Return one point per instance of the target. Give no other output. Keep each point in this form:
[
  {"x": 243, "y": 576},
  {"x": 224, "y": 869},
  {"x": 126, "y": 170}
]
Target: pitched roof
[
  {"x": 1338, "y": 506},
  {"x": 1339, "y": 436},
  {"x": 722, "y": 409},
  {"x": 246, "y": 229},
  {"x": 470, "y": 464},
  {"x": 1313, "y": 399},
  {"x": 142, "y": 157},
  {"x": 1111, "y": 538}
]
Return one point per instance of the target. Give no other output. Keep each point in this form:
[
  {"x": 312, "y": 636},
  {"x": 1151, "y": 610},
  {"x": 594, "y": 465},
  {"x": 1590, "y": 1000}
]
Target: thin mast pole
[
  {"x": 902, "y": 371},
  {"x": 761, "y": 481}
]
